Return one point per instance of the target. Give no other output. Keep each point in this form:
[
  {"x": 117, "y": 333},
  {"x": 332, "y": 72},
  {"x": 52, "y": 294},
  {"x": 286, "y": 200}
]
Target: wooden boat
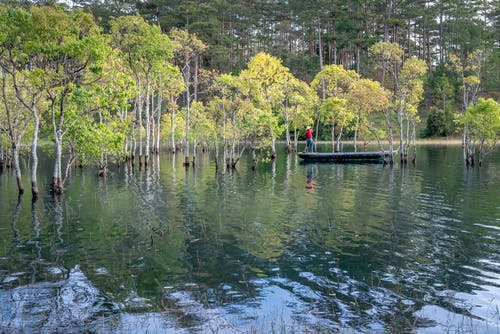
[{"x": 377, "y": 156}]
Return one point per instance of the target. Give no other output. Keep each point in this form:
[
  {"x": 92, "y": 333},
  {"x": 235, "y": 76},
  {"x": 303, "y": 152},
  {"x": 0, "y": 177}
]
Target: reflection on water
[{"x": 290, "y": 248}]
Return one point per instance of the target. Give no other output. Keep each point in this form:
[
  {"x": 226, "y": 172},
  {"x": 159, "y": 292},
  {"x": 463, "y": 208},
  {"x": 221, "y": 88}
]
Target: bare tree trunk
[
  {"x": 2, "y": 158},
  {"x": 334, "y": 45},
  {"x": 356, "y": 133},
  {"x": 148, "y": 122},
  {"x": 273, "y": 145},
  {"x": 234, "y": 162},
  {"x": 332, "y": 133},
  {"x": 139, "y": 117},
  {"x": 233, "y": 144},
  {"x": 134, "y": 148},
  {"x": 379, "y": 142},
  {"x": 339, "y": 140},
  {"x": 34, "y": 140},
  {"x": 15, "y": 139},
  {"x": 321, "y": 60},
  {"x": 195, "y": 79},
  {"x": 172, "y": 123},
  {"x": 469, "y": 152},
  {"x": 407, "y": 139},
  {"x": 387, "y": 16},
  {"x": 358, "y": 58},
  {"x": 17, "y": 169},
  {"x": 57, "y": 182},
  {"x": 414, "y": 142},
  {"x": 441, "y": 46},
  {"x": 194, "y": 148},
  {"x": 295, "y": 138},
  {"x": 158, "y": 124},
  {"x": 186, "y": 72},
  {"x": 71, "y": 160},
  {"x": 391, "y": 137},
  {"x": 34, "y": 155},
  {"x": 288, "y": 139},
  {"x": 481, "y": 152},
  {"x": 216, "y": 157},
  {"x": 400, "y": 123},
  {"x": 224, "y": 139},
  {"x": 154, "y": 112}
]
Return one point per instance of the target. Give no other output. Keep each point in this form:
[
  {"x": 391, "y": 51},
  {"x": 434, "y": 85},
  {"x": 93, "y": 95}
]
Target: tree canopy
[{"x": 238, "y": 74}]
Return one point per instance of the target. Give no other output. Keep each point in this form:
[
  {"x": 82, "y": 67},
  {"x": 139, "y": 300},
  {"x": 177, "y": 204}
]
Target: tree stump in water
[
  {"x": 103, "y": 171},
  {"x": 56, "y": 186}
]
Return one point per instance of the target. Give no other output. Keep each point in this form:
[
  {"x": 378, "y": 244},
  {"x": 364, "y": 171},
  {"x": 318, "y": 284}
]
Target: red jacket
[{"x": 309, "y": 133}]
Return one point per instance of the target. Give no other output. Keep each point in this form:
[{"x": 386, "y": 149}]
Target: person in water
[{"x": 309, "y": 139}]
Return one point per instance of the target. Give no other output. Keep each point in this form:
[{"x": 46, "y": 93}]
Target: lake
[{"x": 290, "y": 248}]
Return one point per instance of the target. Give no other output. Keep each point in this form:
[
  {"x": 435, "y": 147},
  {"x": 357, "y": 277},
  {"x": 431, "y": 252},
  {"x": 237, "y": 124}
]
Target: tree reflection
[
  {"x": 15, "y": 218},
  {"x": 35, "y": 242}
]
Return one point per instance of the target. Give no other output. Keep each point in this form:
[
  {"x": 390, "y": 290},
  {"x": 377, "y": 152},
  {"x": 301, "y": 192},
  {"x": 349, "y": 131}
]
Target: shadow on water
[{"x": 292, "y": 247}]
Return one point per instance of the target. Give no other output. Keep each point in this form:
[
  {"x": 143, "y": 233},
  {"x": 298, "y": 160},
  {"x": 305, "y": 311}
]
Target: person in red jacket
[{"x": 309, "y": 139}]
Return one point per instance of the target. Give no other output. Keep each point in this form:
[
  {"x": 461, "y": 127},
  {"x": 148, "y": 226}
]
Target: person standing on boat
[{"x": 309, "y": 139}]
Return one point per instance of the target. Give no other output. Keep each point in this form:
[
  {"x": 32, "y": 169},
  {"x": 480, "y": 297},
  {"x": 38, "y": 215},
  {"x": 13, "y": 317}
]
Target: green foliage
[
  {"x": 95, "y": 81},
  {"x": 335, "y": 80},
  {"x": 367, "y": 96},
  {"x": 336, "y": 111},
  {"x": 483, "y": 119},
  {"x": 142, "y": 45},
  {"x": 441, "y": 87},
  {"x": 186, "y": 45},
  {"x": 387, "y": 51},
  {"x": 440, "y": 122},
  {"x": 268, "y": 82},
  {"x": 94, "y": 141},
  {"x": 491, "y": 77}
]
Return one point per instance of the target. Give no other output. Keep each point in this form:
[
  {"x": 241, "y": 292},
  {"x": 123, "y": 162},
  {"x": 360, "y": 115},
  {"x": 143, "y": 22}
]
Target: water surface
[{"x": 295, "y": 248}]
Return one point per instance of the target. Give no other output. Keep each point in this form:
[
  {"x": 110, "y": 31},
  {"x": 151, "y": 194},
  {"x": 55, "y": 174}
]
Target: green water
[{"x": 293, "y": 248}]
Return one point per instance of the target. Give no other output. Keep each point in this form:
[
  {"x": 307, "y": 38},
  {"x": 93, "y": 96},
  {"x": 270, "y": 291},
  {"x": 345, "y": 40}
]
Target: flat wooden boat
[{"x": 377, "y": 156}]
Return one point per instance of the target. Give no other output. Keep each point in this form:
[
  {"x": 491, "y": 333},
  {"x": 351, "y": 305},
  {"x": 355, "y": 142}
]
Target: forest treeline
[{"x": 109, "y": 81}]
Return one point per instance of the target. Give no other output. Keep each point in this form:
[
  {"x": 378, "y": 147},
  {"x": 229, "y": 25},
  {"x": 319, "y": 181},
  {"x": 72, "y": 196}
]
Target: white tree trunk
[
  {"x": 17, "y": 169},
  {"x": 188, "y": 105},
  {"x": 288, "y": 139},
  {"x": 295, "y": 138},
  {"x": 57, "y": 181},
  {"x": 34, "y": 155},
  {"x": 139, "y": 117},
  {"x": 356, "y": 134},
  {"x": 148, "y": 123},
  {"x": 158, "y": 124},
  {"x": 339, "y": 139}
]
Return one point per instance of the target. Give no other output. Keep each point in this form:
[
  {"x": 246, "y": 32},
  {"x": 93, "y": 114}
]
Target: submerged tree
[
  {"x": 14, "y": 124},
  {"x": 469, "y": 70},
  {"x": 335, "y": 111},
  {"x": 484, "y": 127},
  {"x": 299, "y": 105},
  {"x": 145, "y": 49},
  {"x": 410, "y": 94},
  {"x": 170, "y": 86},
  {"x": 334, "y": 83},
  {"x": 367, "y": 98},
  {"x": 23, "y": 58},
  {"x": 389, "y": 57},
  {"x": 187, "y": 51},
  {"x": 75, "y": 48},
  {"x": 268, "y": 79}
]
